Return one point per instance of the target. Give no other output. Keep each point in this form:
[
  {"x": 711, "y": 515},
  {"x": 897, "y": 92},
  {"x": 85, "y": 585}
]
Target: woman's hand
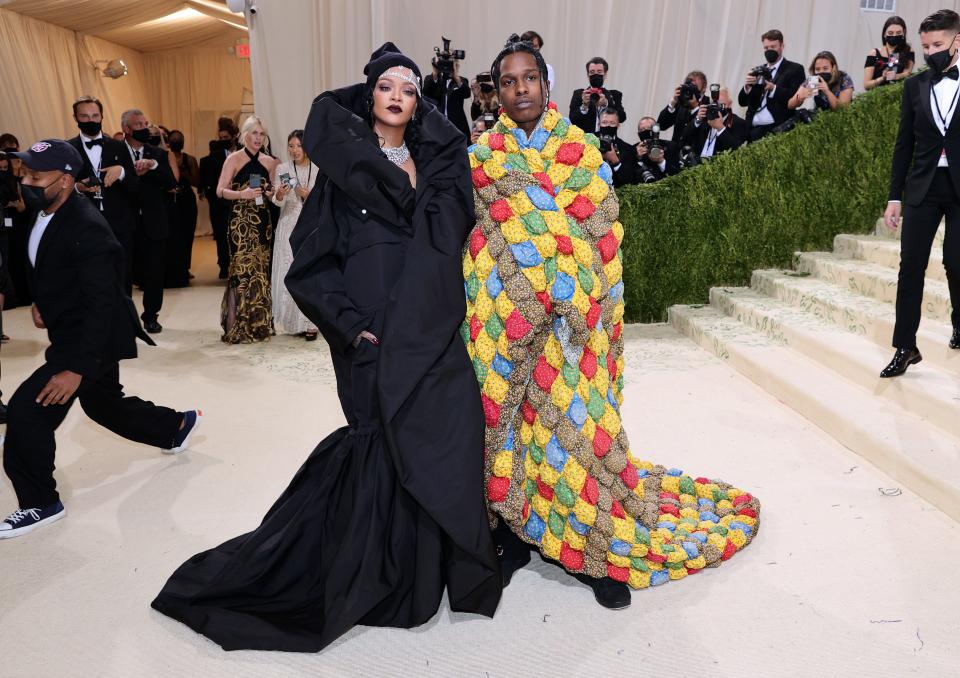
[
  {"x": 823, "y": 87},
  {"x": 283, "y": 191},
  {"x": 803, "y": 93},
  {"x": 250, "y": 193},
  {"x": 302, "y": 192},
  {"x": 889, "y": 74},
  {"x": 366, "y": 336}
]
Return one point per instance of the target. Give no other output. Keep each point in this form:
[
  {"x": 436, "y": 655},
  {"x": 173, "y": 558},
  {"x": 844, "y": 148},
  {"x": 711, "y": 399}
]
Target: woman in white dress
[{"x": 294, "y": 181}]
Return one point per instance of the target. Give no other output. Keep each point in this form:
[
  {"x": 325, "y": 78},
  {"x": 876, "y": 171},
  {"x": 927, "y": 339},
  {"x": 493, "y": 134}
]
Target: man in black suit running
[
  {"x": 926, "y": 178},
  {"x": 77, "y": 267}
]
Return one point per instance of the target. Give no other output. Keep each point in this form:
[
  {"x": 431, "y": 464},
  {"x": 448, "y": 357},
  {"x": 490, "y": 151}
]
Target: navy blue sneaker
[
  {"x": 22, "y": 521},
  {"x": 191, "y": 421}
]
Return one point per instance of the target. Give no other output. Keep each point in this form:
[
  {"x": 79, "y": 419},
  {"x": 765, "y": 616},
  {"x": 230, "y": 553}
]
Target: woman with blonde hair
[{"x": 246, "y": 313}]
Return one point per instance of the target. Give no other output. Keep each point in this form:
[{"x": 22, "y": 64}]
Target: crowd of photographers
[{"x": 700, "y": 117}]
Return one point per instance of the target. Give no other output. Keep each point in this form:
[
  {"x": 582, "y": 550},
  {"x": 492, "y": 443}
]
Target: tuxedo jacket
[
  {"x": 789, "y": 77},
  {"x": 919, "y": 143},
  {"x": 77, "y": 287},
  {"x": 733, "y": 137},
  {"x": 153, "y": 194},
  {"x": 120, "y": 199},
  {"x": 679, "y": 119},
  {"x": 627, "y": 172},
  {"x": 588, "y": 121}
]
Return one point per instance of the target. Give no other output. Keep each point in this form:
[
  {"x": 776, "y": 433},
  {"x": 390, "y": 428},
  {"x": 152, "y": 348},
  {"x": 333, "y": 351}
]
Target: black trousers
[
  {"x": 219, "y": 221},
  {"x": 760, "y": 131},
  {"x": 30, "y": 446},
  {"x": 153, "y": 264},
  {"x": 920, "y": 223}
]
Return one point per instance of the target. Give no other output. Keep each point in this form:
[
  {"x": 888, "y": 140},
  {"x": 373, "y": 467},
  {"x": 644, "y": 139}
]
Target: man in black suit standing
[
  {"x": 620, "y": 155},
  {"x": 77, "y": 269},
  {"x": 767, "y": 103},
  {"x": 926, "y": 177},
  {"x": 107, "y": 178},
  {"x": 210, "y": 167},
  {"x": 680, "y": 113},
  {"x": 152, "y": 166},
  {"x": 587, "y": 103}
]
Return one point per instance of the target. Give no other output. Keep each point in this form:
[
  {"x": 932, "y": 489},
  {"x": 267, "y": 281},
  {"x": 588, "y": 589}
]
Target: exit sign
[{"x": 243, "y": 51}]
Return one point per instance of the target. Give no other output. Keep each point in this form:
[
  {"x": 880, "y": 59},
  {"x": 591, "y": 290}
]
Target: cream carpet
[{"x": 842, "y": 580}]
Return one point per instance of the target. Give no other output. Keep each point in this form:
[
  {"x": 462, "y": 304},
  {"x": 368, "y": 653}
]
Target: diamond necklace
[{"x": 397, "y": 155}]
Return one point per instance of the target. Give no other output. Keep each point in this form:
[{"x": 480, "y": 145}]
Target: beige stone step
[
  {"x": 871, "y": 280},
  {"x": 855, "y": 313},
  {"x": 884, "y": 231},
  {"x": 885, "y": 252},
  {"x": 926, "y": 390},
  {"x": 917, "y": 454}
]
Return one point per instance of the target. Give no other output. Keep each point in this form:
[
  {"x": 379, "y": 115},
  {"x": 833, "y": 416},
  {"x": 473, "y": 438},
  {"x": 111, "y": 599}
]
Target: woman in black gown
[{"x": 389, "y": 510}]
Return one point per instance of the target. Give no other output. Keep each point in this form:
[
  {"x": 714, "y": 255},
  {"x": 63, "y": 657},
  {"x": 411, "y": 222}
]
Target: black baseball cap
[{"x": 50, "y": 154}]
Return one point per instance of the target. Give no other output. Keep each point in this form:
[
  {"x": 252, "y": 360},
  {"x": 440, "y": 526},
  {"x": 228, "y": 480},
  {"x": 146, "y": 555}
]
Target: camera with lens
[
  {"x": 654, "y": 142},
  {"x": 763, "y": 74},
  {"x": 489, "y": 120},
  {"x": 688, "y": 91},
  {"x": 646, "y": 176},
  {"x": 444, "y": 60}
]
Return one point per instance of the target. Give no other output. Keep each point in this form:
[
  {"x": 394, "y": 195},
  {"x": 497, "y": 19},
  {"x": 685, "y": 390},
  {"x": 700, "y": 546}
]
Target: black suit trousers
[
  {"x": 920, "y": 223},
  {"x": 153, "y": 253},
  {"x": 30, "y": 446}
]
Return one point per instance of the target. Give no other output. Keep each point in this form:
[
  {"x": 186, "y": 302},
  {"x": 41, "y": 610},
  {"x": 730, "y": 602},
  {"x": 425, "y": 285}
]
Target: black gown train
[{"x": 389, "y": 511}]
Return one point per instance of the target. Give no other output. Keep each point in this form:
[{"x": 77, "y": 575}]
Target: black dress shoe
[
  {"x": 610, "y": 593},
  {"x": 153, "y": 327},
  {"x": 955, "y": 339},
  {"x": 310, "y": 336},
  {"x": 902, "y": 359}
]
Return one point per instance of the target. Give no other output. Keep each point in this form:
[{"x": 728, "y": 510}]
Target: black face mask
[
  {"x": 155, "y": 139},
  {"x": 894, "y": 40},
  {"x": 486, "y": 88},
  {"x": 608, "y": 131},
  {"x": 771, "y": 55},
  {"x": 826, "y": 77},
  {"x": 938, "y": 61},
  {"x": 596, "y": 81},
  {"x": 141, "y": 135},
  {"x": 176, "y": 146},
  {"x": 645, "y": 135},
  {"x": 35, "y": 197},
  {"x": 90, "y": 128}
]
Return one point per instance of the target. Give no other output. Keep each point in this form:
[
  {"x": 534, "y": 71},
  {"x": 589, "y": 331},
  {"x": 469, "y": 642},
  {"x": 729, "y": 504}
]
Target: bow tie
[
  {"x": 951, "y": 73},
  {"x": 99, "y": 142}
]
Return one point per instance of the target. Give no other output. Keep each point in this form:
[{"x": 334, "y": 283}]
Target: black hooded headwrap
[{"x": 387, "y": 56}]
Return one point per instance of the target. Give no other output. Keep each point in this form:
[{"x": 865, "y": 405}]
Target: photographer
[
  {"x": 482, "y": 124},
  {"x": 830, "y": 87},
  {"x": 536, "y": 40},
  {"x": 586, "y": 103},
  {"x": 656, "y": 158},
  {"x": 682, "y": 108},
  {"x": 445, "y": 88},
  {"x": 894, "y": 60},
  {"x": 621, "y": 156},
  {"x": 769, "y": 87},
  {"x": 485, "y": 98},
  {"x": 715, "y": 127}
]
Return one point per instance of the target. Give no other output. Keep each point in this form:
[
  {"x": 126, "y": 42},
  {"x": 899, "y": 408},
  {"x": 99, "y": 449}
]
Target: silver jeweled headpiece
[{"x": 411, "y": 78}]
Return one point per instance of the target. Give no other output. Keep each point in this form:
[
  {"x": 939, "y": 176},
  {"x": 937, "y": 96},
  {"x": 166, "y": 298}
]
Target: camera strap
[{"x": 946, "y": 118}]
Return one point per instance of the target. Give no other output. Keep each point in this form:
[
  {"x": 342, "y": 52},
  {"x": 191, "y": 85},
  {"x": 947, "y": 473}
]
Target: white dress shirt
[
  {"x": 36, "y": 235},
  {"x": 709, "y": 146},
  {"x": 943, "y": 102},
  {"x": 763, "y": 116},
  {"x": 94, "y": 153}
]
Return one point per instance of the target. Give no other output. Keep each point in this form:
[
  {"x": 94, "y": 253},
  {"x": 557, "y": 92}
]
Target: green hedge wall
[{"x": 753, "y": 208}]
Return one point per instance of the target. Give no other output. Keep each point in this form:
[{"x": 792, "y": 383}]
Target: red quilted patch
[
  {"x": 496, "y": 142},
  {"x": 601, "y": 443},
  {"x": 544, "y": 374},
  {"x": 517, "y": 326},
  {"x": 570, "y": 154},
  {"x": 742, "y": 499},
  {"x": 590, "y": 492},
  {"x": 671, "y": 509},
  {"x": 491, "y": 411},
  {"x": 608, "y": 246},
  {"x": 629, "y": 476},
  {"x": 729, "y": 550},
  {"x": 545, "y": 182},
  {"x": 702, "y": 480},
  {"x": 564, "y": 244},
  {"x": 617, "y": 330},
  {"x": 669, "y": 495},
  {"x": 544, "y": 298},
  {"x": 525, "y": 512},
  {"x": 475, "y": 327},
  {"x": 477, "y": 242},
  {"x": 593, "y": 315},
  {"x": 617, "y": 510},
  {"x": 480, "y": 178},
  {"x": 500, "y": 211},
  {"x": 497, "y": 488},
  {"x": 655, "y": 557},
  {"x": 581, "y": 208},
  {"x": 545, "y": 490},
  {"x": 611, "y": 366},
  {"x": 529, "y": 414},
  {"x": 747, "y": 512},
  {"x": 588, "y": 363},
  {"x": 571, "y": 558},
  {"x": 620, "y": 574}
]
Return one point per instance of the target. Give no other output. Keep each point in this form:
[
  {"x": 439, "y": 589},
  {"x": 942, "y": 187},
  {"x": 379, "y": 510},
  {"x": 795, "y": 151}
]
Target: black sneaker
[
  {"x": 191, "y": 420},
  {"x": 609, "y": 593},
  {"x": 22, "y": 521}
]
